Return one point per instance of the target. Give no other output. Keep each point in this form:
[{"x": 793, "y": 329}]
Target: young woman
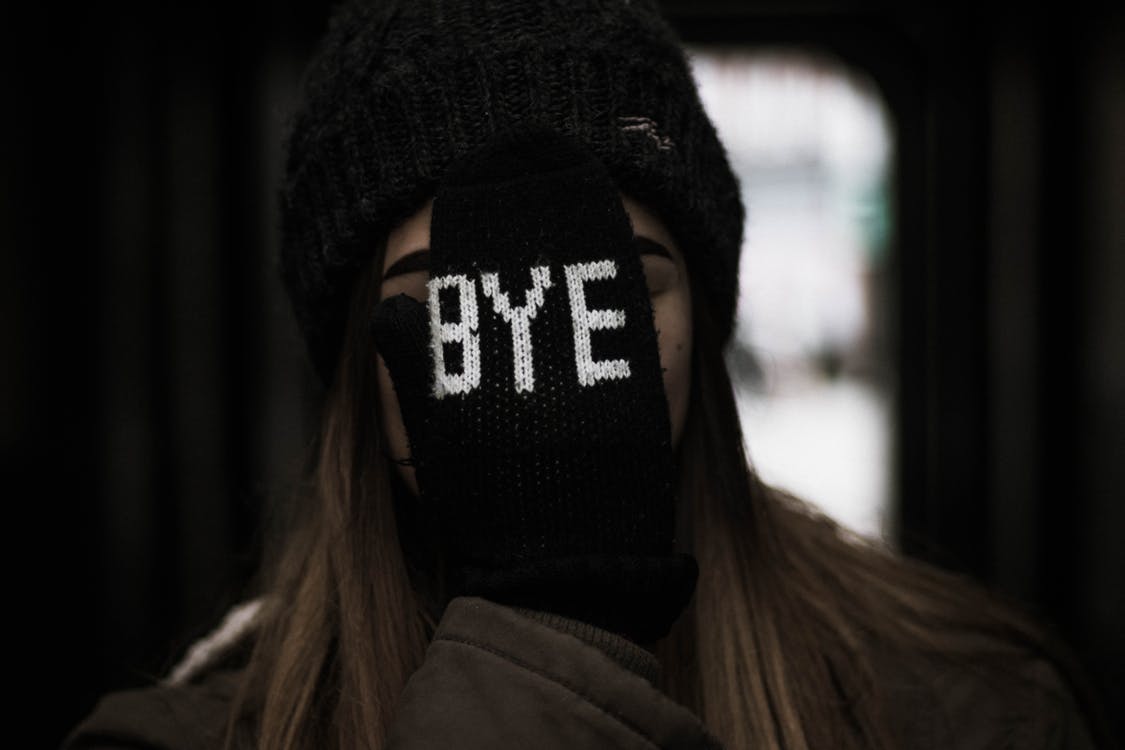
[{"x": 511, "y": 239}]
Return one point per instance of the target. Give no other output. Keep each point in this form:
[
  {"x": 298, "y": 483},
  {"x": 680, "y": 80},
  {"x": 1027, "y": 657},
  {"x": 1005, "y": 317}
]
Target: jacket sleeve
[
  {"x": 158, "y": 717},
  {"x": 499, "y": 676},
  {"x": 1026, "y": 704},
  {"x": 1064, "y": 726}
]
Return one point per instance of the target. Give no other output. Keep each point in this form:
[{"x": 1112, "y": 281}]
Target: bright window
[{"x": 810, "y": 140}]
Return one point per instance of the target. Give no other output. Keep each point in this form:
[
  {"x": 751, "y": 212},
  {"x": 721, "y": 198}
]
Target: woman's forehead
[{"x": 414, "y": 233}]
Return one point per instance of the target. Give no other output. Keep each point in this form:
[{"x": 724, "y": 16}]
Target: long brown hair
[{"x": 776, "y": 649}]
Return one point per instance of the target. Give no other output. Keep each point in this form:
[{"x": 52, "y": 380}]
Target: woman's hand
[{"x": 531, "y": 391}]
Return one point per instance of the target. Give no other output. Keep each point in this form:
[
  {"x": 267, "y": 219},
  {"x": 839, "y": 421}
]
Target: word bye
[{"x": 466, "y": 331}]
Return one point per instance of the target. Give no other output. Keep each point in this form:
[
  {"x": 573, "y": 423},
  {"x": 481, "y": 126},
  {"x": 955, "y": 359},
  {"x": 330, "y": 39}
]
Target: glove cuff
[{"x": 638, "y": 597}]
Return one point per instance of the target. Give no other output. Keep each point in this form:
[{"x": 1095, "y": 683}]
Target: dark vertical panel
[
  {"x": 131, "y": 449},
  {"x": 1099, "y": 555},
  {"x": 1061, "y": 256},
  {"x": 197, "y": 327},
  {"x": 1014, "y": 311},
  {"x": 955, "y": 519},
  {"x": 238, "y": 91},
  {"x": 52, "y": 474},
  {"x": 15, "y": 234}
]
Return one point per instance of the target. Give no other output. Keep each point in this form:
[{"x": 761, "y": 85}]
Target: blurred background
[{"x": 931, "y": 334}]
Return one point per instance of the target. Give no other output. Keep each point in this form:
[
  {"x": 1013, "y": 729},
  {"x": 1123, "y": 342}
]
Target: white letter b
[{"x": 463, "y": 332}]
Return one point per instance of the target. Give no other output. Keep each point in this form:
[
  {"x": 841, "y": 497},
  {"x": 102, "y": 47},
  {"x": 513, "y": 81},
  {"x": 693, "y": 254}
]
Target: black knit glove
[{"x": 536, "y": 413}]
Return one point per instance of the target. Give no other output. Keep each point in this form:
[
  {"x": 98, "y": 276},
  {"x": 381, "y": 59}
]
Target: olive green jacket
[{"x": 502, "y": 677}]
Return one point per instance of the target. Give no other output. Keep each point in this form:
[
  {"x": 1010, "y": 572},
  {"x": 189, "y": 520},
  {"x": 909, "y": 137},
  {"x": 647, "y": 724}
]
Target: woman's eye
[
  {"x": 407, "y": 275},
  {"x": 412, "y": 284},
  {"x": 660, "y": 273}
]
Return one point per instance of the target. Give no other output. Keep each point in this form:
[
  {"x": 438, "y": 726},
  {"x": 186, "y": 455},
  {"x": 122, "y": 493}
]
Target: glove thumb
[{"x": 400, "y": 328}]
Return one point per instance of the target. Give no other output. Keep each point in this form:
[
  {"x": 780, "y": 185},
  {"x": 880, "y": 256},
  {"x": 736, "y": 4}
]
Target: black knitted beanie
[{"x": 400, "y": 88}]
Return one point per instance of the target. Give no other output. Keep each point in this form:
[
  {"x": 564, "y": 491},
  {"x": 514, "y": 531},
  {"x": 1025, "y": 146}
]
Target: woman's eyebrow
[
  {"x": 415, "y": 260},
  {"x": 648, "y": 246}
]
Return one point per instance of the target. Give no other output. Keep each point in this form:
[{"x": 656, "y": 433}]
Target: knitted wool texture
[
  {"x": 532, "y": 392},
  {"x": 398, "y": 90}
]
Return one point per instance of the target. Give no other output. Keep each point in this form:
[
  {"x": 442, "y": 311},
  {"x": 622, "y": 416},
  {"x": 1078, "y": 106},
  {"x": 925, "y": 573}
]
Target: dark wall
[{"x": 155, "y": 394}]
